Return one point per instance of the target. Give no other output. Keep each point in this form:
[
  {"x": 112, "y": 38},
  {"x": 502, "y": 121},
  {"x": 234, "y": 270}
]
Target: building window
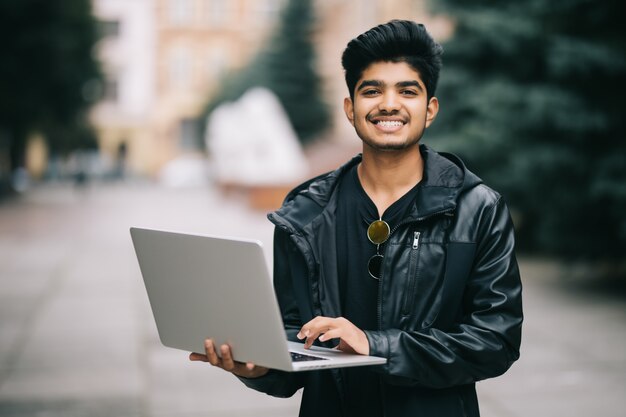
[
  {"x": 219, "y": 13},
  {"x": 180, "y": 12},
  {"x": 267, "y": 11},
  {"x": 180, "y": 67}
]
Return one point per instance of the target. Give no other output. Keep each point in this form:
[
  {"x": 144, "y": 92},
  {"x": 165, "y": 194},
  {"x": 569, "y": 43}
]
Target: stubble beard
[{"x": 390, "y": 146}]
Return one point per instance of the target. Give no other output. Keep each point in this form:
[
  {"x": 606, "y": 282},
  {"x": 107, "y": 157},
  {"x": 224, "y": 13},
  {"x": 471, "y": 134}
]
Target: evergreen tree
[
  {"x": 529, "y": 98},
  {"x": 47, "y": 61},
  {"x": 286, "y": 67}
]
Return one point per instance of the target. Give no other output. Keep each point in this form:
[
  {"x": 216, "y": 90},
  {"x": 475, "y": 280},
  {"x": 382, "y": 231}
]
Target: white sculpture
[{"x": 251, "y": 142}]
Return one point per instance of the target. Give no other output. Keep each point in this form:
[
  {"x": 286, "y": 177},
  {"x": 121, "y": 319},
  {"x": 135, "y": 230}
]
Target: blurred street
[{"x": 77, "y": 337}]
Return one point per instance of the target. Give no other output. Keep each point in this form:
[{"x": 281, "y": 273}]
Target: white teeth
[{"x": 390, "y": 123}]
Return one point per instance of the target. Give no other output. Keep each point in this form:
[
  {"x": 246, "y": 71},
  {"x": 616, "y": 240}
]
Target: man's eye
[
  {"x": 408, "y": 92},
  {"x": 370, "y": 92}
]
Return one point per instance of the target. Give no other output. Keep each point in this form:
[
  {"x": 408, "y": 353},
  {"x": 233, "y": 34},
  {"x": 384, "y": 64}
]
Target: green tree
[
  {"x": 285, "y": 66},
  {"x": 46, "y": 63},
  {"x": 529, "y": 97}
]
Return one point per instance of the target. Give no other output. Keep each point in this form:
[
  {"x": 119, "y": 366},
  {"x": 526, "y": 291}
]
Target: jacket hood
[{"x": 445, "y": 178}]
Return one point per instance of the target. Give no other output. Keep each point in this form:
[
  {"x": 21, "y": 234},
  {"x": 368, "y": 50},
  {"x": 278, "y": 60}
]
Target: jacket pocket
[
  {"x": 458, "y": 265},
  {"x": 409, "y": 293}
]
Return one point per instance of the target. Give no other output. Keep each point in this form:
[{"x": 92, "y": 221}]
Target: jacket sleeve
[
  {"x": 486, "y": 340},
  {"x": 279, "y": 383}
]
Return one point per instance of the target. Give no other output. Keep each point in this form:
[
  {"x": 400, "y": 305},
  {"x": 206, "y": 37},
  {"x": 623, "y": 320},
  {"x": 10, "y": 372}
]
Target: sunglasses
[{"x": 378, "y": 232}]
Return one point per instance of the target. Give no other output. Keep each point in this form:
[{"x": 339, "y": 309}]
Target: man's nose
[{"x": 389, "y": 102}]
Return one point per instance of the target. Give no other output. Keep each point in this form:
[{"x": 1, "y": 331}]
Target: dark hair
[{"x": 395, "y": 41}]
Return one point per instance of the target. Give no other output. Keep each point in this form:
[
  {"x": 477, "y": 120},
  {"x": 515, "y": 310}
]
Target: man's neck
[{"x": 387, "y": 176}]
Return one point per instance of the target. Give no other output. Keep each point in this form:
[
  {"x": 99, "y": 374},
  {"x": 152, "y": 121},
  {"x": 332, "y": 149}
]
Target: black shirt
[{"x": 358, "y": 290}]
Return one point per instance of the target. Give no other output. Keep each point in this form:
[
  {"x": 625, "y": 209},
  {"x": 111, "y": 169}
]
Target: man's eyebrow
[
  {"x": 369, "y": 83},
  {"x": 411, "y": 83},
  {"x": 401, "y": 84}
]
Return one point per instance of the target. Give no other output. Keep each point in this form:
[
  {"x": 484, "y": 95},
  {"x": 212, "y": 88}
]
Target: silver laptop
[{"x": 203, "y": 286}]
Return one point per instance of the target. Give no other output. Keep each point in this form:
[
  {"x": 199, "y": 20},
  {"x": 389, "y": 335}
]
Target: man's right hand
[{"x": 226, "y": 362}]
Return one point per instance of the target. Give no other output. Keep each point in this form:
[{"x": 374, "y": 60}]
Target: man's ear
[
  {"x": 431, "y": 110},
  {"x": 348, "y": 108}
]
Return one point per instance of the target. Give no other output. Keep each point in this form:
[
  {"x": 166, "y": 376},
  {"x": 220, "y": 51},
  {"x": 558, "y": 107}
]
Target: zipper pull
[{"x": 416, "y": 240}]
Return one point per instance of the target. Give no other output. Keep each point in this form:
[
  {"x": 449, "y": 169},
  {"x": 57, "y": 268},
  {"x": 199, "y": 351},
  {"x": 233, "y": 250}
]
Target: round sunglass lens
[
  {"x": 378, "y": 232},
  {"x": 374, "y": 266}
]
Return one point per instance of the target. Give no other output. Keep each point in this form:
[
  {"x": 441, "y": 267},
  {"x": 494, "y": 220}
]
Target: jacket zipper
[
  {"x": 380, "y": 281},
  {"x": 412, "y": 274},
  {"x": 416, "y": 240}
]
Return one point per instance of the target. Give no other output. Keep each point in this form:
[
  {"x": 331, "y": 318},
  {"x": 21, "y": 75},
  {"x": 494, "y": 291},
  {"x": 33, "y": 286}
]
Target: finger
[
  {"x": 198, "y": 357},
  {"x": 312, "y": 325},
  {"x": 227, "y": 359},
  {"x": 311, "y": 335},
  {"x": 308, "y": 342},
  {"x": 304, "y": 332},
  {"x": 250, "y": 366},
  {"x": 318, "y": 333},
  {"x": 210, "y": 353},
  {"x": 331, "y": 334},
  {"x": 311, "y": 339}
]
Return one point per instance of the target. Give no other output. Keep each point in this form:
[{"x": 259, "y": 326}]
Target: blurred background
[{"x": 199, "y": 116}]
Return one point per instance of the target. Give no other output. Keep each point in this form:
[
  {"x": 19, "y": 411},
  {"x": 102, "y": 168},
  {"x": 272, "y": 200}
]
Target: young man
[{"x": 401, "y": 253}]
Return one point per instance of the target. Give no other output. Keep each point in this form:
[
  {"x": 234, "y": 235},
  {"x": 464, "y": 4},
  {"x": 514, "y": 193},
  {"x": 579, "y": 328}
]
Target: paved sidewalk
[{"x": 77, "y": 336}]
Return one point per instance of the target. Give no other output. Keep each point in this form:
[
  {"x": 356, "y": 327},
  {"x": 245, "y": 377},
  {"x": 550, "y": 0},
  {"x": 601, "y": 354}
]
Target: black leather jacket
[{"x": 449, "y": 308}]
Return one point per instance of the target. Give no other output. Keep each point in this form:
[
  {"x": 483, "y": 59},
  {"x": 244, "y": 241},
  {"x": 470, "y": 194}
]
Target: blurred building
[
  {"x": 126, "y": 51},
  {"x": 163, "y": 59}
]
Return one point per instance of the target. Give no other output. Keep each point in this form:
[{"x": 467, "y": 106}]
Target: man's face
[{"x": 390, "y": 110}]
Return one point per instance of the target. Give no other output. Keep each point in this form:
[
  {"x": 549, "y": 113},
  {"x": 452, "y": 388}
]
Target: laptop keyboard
[{"x": 299, "y": 357}]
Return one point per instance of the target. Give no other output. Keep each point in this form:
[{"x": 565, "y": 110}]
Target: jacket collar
[{"x": 444, "y": 178}]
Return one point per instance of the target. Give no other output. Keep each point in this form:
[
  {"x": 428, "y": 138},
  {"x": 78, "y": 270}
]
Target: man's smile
[{"x": 388, "y": 124}]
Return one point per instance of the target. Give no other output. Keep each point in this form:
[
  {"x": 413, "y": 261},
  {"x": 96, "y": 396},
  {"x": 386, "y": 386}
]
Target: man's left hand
[{"x": 351, "y": 338}]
